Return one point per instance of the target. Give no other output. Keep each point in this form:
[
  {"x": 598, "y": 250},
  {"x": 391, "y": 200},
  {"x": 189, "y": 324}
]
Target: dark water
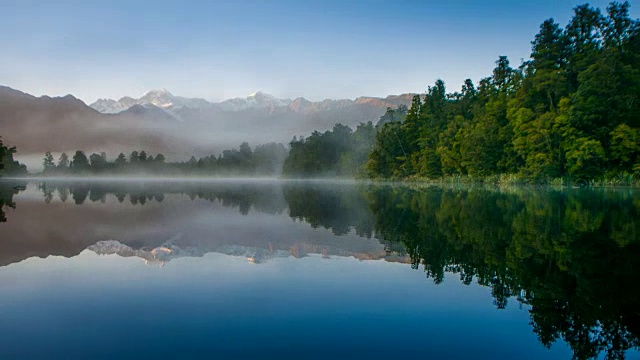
[{"x": 316, "y": 270}]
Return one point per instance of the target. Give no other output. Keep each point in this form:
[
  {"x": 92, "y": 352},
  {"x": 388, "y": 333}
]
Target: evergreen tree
[
  {"x": 63, "y": 162},
  {"x": 79, "y": 163},
  {"x": 121, "y": 160},
  {"x": 134, "y": 158},
  {"x": 48, "y": 162}
]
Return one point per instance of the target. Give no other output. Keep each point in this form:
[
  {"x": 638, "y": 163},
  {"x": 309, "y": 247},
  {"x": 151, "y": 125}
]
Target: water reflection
[
  {"x": 571, "y": 256},
  {"x": 7, "y": 191}
]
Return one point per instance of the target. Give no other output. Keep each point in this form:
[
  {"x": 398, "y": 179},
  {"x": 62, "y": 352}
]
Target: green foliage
[
  {"x": 392, "y": 115},
  {"x": 585, "y": 159},
  {"x": 625, "y": 146},
  {"x": 388, "y": 157},
  {"x": 338, "y": 152},
  {"x": 572, "y": 111}
]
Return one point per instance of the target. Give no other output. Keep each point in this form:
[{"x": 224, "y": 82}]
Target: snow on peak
[{"x": 159, "y": 92}]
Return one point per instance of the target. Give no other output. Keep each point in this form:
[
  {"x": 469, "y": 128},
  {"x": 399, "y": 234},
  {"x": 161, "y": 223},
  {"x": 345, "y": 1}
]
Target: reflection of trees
[
  {"x": 7, "y": 190},
  {"x": 332, "y": 206},
  {"x": 572, "y": 256},
  {"x": 265, "y": 198}
]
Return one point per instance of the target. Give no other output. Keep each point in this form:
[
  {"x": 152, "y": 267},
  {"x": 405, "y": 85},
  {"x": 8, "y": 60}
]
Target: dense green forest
[
  {"x": 265, "y": 160},
  {"x": 339, "y": 152},
  {"x": 572, "y": 111}
]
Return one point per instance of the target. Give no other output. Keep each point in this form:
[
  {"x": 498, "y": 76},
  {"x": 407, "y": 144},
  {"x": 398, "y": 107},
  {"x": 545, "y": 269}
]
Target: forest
[
  {"x": 265, "y": 160},
  {"x": 570, "y": 112}
]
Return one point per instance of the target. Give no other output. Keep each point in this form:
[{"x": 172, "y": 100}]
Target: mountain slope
[{"x": 162, "y": 122}]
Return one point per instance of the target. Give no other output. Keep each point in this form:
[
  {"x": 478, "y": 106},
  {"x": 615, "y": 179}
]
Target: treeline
[
  {"x": 8, "y": 166},
  {"x": 264, "y": 160},
  {"x": 339, "y": 152},
  {"x": 571, "y": 112}
]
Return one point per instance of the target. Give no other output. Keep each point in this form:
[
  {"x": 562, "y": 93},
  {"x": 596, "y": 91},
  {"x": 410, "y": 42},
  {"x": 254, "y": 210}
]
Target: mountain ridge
[
  {"x": 164, "y": 99},
  {"x": 176, "y": 126}
]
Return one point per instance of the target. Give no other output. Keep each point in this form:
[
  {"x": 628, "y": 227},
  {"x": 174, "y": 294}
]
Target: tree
[
  {"x": 3, "y": 151},
  {"x": 618, "y": 26},
  {"x": 388, "y": 155},
  {"x": 583, "y": 33},
  {"x": 625, "y": 147},
  {"x": 549, "y": 60},
  {"x": 98, "y": 162},
  {"x": 391, "y": 115},
  {"x": 63, "y": 162},
  {"x": 134, "y": 158},
  {"x": 79, "y": 163},
  {"x": 8, "y": 165},
  {"x": 121, "y": 160},
  {"x": 585, "y": 159},
  {"x": 48, "y": 162}
]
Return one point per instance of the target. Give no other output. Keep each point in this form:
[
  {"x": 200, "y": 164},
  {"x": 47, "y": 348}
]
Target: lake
[{"x": 248, "y": 268}]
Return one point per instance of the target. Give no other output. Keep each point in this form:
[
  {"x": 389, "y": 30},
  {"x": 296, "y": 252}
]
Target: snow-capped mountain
[
  {"x": 108, "y": 106},
  {"x": 256, "y": 100},
  {"x": 161, "y": 98},
  {"x": 176, "y": 126},
  {"x": 164, "y": 253},
  {"x": 157, "y": 256}
]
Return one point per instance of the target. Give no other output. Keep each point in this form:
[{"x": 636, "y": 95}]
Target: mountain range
[
  {"x": 177, "y": 126},
  {"x": 165, "y": 100}
]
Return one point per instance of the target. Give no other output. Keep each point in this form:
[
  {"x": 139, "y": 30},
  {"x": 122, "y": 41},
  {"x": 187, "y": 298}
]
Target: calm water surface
[{"x": 315, "y": 270}]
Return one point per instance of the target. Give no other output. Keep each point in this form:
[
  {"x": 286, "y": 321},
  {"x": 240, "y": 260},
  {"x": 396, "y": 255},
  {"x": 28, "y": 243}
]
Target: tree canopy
[{"x": 571, "y": 111}]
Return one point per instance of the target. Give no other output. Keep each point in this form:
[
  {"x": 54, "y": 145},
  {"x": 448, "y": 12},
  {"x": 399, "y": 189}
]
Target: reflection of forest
[
  {"x": 264, "y": 197},
  {"x": 144, "y": 219},
  {"x": 573, "y": 256},
  {"x": 7, "y": 190}
]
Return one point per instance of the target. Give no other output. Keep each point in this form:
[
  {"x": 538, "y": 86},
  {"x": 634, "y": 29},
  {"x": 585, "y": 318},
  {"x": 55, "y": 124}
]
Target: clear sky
[{"x": 224, "y": 49}]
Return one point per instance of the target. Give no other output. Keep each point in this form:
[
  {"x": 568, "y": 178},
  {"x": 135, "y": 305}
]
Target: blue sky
[{"x": 223, "y": 49}]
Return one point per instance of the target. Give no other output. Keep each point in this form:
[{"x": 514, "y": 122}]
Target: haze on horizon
[{"x": 226, "y": 49}]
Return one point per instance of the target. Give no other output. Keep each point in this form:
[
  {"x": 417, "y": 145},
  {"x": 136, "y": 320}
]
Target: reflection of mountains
[
  {"x": 140, "y": 217},
  {"x": 256, "y": 255}
]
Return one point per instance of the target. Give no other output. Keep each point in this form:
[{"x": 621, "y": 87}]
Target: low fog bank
[{"x": 155, "y": 179}]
